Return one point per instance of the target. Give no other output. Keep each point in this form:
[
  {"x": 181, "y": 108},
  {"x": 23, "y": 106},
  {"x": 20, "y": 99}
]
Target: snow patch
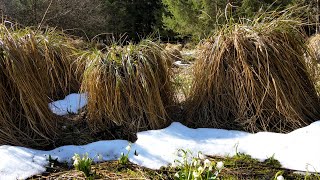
[
  {"x": 70, "y": 104},
  {"x": 298, "y": 150}
]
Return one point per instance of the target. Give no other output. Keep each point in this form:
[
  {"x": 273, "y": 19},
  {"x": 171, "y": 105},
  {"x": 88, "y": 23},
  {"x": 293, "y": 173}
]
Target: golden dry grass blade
[{"x": 254, "y": 77}]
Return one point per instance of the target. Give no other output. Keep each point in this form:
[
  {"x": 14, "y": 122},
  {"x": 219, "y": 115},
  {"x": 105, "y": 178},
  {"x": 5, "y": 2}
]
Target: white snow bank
[
  {"x": 298, "y": 150},
  {"x": 70, "y": 104}
]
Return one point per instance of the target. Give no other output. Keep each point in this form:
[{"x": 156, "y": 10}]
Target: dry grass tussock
[
  {"x": 314, "y": 47},
  {"x": 129, "y": 86},
  {"x": 36, "y": 68},
  {"x": 254, "y": 77}
]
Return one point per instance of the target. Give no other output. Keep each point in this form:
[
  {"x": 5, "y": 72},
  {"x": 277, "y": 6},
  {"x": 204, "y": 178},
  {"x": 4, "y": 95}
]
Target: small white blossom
[
  {"x": 195, "y": 163},
  {"x": 128, "y": 148},
  {"x": 195, "y": 174},
  {"x": 220, "y": 165},
  {"x": 176, "y": 175},
  {"x": 76, "y": 162},
  {"x": 200, "y": 169},
  {"x": 122, "y": 154},
  {"x": 201, "y": 156},
  {"x": 280, "y": 178},
  {"x": 207, "y": 163},
  {"x": 100, "y": 157}
]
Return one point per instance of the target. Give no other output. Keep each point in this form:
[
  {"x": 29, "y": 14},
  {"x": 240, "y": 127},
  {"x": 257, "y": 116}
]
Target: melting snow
[
  {"x": 70, "y": 104},
  {"x": 298, "y": 150}
]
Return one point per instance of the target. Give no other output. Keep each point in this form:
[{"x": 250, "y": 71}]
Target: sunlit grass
[
  {"x": 129, "y": 86},
  {"x": 254, "y": 76}
]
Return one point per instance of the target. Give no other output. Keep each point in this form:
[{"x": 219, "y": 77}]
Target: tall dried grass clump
[
  {"x": 314, "y": 48},
  {"x": 314, "y": 45},
  {"x": 36, "y": 67},
  {"x": 129, "y": 86},
  {"x": 254, "y": 77}
]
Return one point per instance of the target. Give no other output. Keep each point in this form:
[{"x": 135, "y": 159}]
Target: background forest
[{"x": 171, "y": 19}]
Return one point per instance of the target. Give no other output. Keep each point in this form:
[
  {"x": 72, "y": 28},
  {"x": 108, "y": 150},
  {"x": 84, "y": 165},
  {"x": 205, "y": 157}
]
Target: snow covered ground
[
  {"x": 70, "y": 104},
  {"x": 298, "y": 150}
]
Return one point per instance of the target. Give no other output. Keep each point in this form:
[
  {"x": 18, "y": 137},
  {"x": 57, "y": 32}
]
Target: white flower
[
  {"x": 220, "y": 165},
  {"x": 122, "y": 154},
  {"x": 76, "y": 162},
  {"x": 128, "y": 148},
  {"x": 201, "y": 156},
  {"x": 176, "y": 175},
  {"x": 100, "y": 157},
  {"x": 207, "y": 163},
  {"x": 280, "y": 178},
  {"x": 195, "y": 174},
  {"x": 196, "y": 162},
  {"x": 200, "y": 169}
]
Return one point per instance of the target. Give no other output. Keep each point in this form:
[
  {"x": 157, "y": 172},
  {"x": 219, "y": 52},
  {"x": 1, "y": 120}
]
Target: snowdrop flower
[
  {"x": 128, "y": 148},
  {"x": 176, "y": 175},
  {"x": 100, "y": 157},
  {"x": 196, "y": 162},
  {"x": 201, "y": 156},
  {"x": 122, "y": 154},
  {"x": 207, "y": 163},
  {"x": 200, "y": 169},
  {"x": 280, "y": 177},
  {"x": 76, "y": 162},
  {"x": 195, "y": 174},
  {"x": 220, "y": 165}
]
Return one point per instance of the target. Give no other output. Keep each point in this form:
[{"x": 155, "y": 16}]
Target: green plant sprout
[
  {"x": 124, "y": 158},
  {"x": 83, "y": 164}
]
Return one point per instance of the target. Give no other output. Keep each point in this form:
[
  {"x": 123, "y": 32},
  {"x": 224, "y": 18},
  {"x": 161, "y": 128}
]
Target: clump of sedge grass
[
  {"x": 314, "y": 45},
  {"x": 253, "y": 76},
  {"x": 314, "y": 48},
  {"x": 128, "y": 86},
  {"x": 37, "y": 67}
]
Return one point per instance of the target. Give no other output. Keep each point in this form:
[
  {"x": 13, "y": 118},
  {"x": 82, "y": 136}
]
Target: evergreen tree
[
  {"x": 136, "y": 18},
  {"x": 193, "y": 17},
  {"x": 199, "y": 18}
]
